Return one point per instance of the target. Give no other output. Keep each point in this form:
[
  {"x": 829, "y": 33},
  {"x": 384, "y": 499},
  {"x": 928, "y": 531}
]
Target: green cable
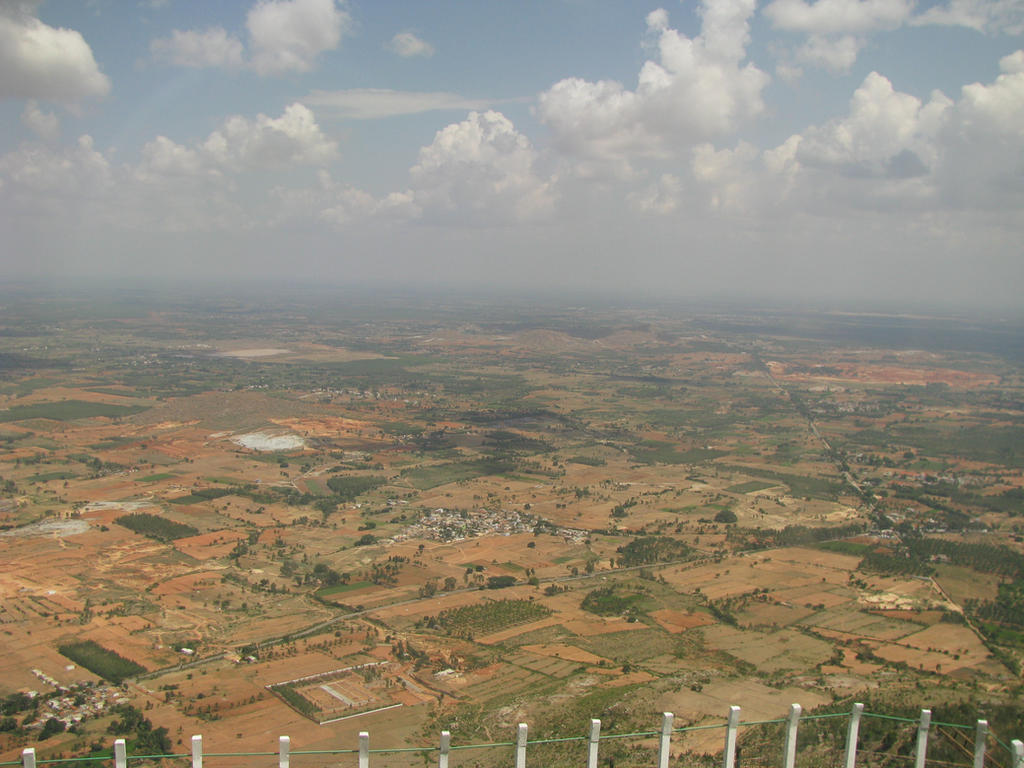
[
  {"x": 481, "y": 746},
  {"x": 764, "y": 722},
  {"x": 891, "y": 717}
]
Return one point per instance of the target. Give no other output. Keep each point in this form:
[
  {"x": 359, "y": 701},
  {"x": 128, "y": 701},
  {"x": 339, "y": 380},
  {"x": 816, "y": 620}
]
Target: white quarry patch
[
  {"x": 265, "y": 441},
  {"x": 127, "y": 506},
  {"x": 263, "y": 352},
  {"x": 50, "y": 528}
]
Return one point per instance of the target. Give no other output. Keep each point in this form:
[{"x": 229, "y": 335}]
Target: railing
[{"x": 1013, "y": 752}]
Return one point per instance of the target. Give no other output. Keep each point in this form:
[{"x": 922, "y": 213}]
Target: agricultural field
[{"x": 264, "y": 518}]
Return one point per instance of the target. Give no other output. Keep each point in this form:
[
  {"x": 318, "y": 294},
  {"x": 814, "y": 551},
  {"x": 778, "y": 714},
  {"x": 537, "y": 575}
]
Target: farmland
[{"x": 272, "y": 514}]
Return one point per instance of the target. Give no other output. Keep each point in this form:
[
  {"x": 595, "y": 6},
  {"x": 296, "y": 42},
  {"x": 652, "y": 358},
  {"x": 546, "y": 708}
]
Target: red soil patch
[
  {"x": 680, "y": 621},
  {"x": 209, "y": 545}
]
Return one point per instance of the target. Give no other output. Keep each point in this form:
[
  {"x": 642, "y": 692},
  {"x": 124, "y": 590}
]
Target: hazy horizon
[{"x": 828, "y": 154}]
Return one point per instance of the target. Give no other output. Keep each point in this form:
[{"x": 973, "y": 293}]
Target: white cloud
[
  {"x": 408, "y": 45},
  {"x": 288, "y": 35},
  {"x": 891, "y": 153},
  {"x": 833, "y": 54},
  {"x": 293, "y": 138},
  {"x": 988, "y": 16},
  {"x": 836, "y": 29},
  {"x": 698, "y": 89},
  {"x": 887, "y": 133},
  {"x": 662, "y": 197},
  {"x": 212, "y": 47},
  {"x": 481, "y": 169},
  {"x": 38, "y": 61},
  {"x": 57, "y": 187},
  {"x": 370, "y": 103},
  {"x": 838, "y": 17},
  {"x": 45, "y": 125},
  {"x": 283, "y": 36},
  {"x": 214, "y": 184}
]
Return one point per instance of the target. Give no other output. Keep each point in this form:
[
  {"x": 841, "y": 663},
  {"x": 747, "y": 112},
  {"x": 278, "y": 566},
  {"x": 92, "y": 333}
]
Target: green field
[
  {"x": 425, "y": 478},
  {"x": 68, "y": 410},
  {"x": 750, "y": 486},
  {"x": 338, "y": 589},
  {"x": 101, "y": 661},
  {"x": 485, "y": 618},
  {"x": 46, "y": 477}
]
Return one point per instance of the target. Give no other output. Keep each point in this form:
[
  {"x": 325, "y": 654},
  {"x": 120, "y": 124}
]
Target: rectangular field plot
[
  {"x": 630, "y": 646},
  {"x": 545, "y": 665},
  {"x": 769, "y": 652},
  {"x": 509, "y": 681},
  {"x": 862, "y": 624}
]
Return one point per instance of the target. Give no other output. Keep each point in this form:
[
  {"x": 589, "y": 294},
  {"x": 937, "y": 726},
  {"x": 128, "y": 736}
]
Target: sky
[{"x": 798, "y": 151}]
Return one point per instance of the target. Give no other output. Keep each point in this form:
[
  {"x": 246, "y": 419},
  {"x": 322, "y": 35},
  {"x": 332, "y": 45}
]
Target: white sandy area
[
  {"x": 50, "y": 528},
  {"x": 264, "y": 441},
  {"x": 262, "y": 352}
]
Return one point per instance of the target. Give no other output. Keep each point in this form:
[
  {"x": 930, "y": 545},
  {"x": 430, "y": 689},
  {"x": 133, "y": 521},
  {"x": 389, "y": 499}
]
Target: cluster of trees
[
  {"x": 612, "y": 601},
  {"x": 101, "y": 661},
  {"x": 470, "y": 620},
  {"x": 156, "y": 527},
  {"x": 791, "y": 535},
  {"x": 131, "y": 725},
  {"x": 652, "y": 549}
]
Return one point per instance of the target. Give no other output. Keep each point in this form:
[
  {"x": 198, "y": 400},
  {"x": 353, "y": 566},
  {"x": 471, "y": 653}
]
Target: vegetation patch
[
  {"x": 201, "y": 495},
  {"x": 652, "y": 452},
  {"x": 485, "y": 618},
  {"x": 348, "y": 488},
  {"x": 612, "y": 601},
  {"x": 68, "y": 410},
  {"x": 652, "y": 549},
  {"x": 425, "y": 478},
  {"x": 156, "y": 527},
  {"x": 107, "y": 664},
  {"x": 750, "y": 486}
]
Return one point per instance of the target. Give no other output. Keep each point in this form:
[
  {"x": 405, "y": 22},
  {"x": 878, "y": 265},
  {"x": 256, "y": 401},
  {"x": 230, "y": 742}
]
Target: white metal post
[
  {"x": 921, "y": 753},
  {"x": 120, "y": 754},
  {"x": 284, "y": 752},
  {"x": 446, "y": 745},
  {"x": 980, "y": 738},
  {"x": 197, "y": 751},
  {"x": 28, "y": 758},
  {"x": 1017, "y": 750},
  {"x": 731, "y": 732},
  {"x": 852, "y": 733},
  {"x": 521, "y": 732},
  {"x": 593, "y": 742},
  {"x": 364, "y": 749},
  {"x": 789, "y": 755},
  {"x": 666, "y": 739}
]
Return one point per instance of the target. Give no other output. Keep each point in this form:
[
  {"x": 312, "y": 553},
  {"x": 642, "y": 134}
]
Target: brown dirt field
[
  {"x": 206, "y": 546},
  {"x": 952, "y": 639},
  {"x": 893, "y": 375},
  {"x": 680, "y": 621},
  {"x": 327, "y": 426},
  {"x": 188, "y": 583},
  {"x": 499, "y": 637},
  {"x": 628, "y": 679},
  {"x": 588, "y": 628},
  {"x": 802, "y": 596},
  {"x": 773, "y": 613},
  {"x": 567, "y": 652}
]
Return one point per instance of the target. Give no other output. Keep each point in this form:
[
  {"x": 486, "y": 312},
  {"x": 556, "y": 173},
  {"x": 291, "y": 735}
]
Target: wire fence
[{"x": 828, "y": 740}]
